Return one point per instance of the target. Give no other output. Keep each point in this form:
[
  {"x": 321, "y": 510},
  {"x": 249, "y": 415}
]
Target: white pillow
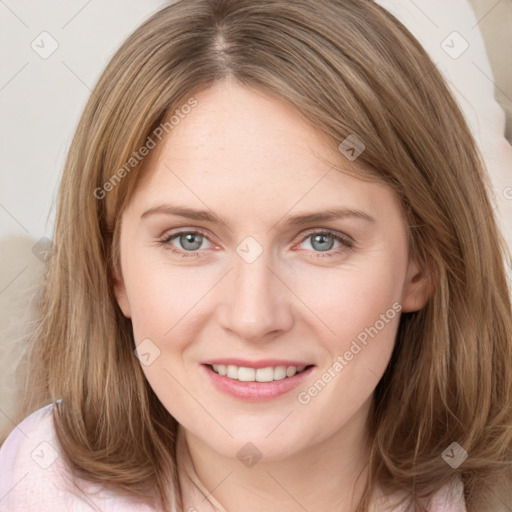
[{"x": 449, "y": 32}]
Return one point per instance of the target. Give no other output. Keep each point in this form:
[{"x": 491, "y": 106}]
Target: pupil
[{"x": 320, "y": 238}]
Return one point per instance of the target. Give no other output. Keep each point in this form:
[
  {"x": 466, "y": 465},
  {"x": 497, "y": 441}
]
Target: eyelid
[
  {"x": 169, "y": 234},
  {"x": 318, "y": 231}
]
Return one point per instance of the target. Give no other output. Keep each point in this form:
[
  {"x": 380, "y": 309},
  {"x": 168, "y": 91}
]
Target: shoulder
[
  {"x": 35, "y": 476},
  {"x": 450, "y": 498},
  {"x": 29, "y": 464}
]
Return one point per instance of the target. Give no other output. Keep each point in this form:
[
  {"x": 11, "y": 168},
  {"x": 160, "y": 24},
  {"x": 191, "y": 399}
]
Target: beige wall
[{"x": 496, "y": 27}]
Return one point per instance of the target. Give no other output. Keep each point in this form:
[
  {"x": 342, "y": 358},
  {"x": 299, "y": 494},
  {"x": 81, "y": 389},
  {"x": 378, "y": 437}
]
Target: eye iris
[
  {"x": 320, "y": 238},
  {"x": 194, "y": 238}
]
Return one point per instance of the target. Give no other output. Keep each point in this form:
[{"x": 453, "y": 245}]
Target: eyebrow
[{"x": 294, "y": 220}]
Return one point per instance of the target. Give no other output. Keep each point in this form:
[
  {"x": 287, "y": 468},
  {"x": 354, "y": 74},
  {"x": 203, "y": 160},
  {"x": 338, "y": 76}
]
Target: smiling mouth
[{"x": 246, "y": 374}]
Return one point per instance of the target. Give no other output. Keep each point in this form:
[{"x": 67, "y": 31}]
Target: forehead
[{"x": 241, "y": 145}]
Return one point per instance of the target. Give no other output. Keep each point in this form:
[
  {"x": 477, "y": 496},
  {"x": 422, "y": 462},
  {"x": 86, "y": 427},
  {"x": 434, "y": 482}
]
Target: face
[{"x": 260, "y": 280}]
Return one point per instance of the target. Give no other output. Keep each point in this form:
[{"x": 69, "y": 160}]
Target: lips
[{"x": 256, "y": 380}]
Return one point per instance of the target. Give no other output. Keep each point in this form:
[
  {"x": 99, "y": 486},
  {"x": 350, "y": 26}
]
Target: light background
[{"x": 41, "y": 99}]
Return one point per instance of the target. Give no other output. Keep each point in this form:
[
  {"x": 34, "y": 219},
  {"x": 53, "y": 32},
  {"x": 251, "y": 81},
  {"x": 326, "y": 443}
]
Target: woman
[{"x": 256, "y": 368}]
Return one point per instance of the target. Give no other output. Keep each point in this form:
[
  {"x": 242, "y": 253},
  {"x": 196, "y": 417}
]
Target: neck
[{"x": 321, "y": 476}]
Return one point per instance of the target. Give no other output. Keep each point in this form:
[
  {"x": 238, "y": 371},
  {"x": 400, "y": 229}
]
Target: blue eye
[
  {"x": 190, "y": 242},
  {"x": 322, "y": 242}
]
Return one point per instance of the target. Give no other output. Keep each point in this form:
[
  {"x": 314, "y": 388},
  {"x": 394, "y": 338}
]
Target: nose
[{"x": 257, "y": 307}]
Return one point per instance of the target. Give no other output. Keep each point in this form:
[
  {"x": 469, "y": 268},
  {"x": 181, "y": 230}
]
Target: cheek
[
  {"x": 350, "y": 300},
  {"x": 361, "y": 307},
  {"x": 162, "y": 301},
  {"x": 163, "y": 296}
]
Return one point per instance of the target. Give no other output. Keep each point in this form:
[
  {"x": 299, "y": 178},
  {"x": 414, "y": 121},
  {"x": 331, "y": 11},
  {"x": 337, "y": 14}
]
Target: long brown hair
[{"x": 349, "y": 68}]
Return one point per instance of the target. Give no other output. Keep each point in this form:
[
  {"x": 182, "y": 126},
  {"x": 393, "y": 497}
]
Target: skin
[{"x": 253, "y": 161}]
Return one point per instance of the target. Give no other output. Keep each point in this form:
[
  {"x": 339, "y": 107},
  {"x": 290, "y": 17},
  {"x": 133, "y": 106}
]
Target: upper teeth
[{"x": 256, "y": 375}]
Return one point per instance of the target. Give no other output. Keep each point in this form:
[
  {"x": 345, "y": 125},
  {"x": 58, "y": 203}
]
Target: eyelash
[{"x": 346, "y": 242}]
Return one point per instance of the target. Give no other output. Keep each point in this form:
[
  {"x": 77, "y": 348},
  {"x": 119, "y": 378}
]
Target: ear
[
  {"x": 418, "y": 287},
  {"x": 120, "y": 293}
]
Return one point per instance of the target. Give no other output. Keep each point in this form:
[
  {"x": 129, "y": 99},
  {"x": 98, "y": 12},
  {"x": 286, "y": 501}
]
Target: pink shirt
[{"x": 34, "y": 477}]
